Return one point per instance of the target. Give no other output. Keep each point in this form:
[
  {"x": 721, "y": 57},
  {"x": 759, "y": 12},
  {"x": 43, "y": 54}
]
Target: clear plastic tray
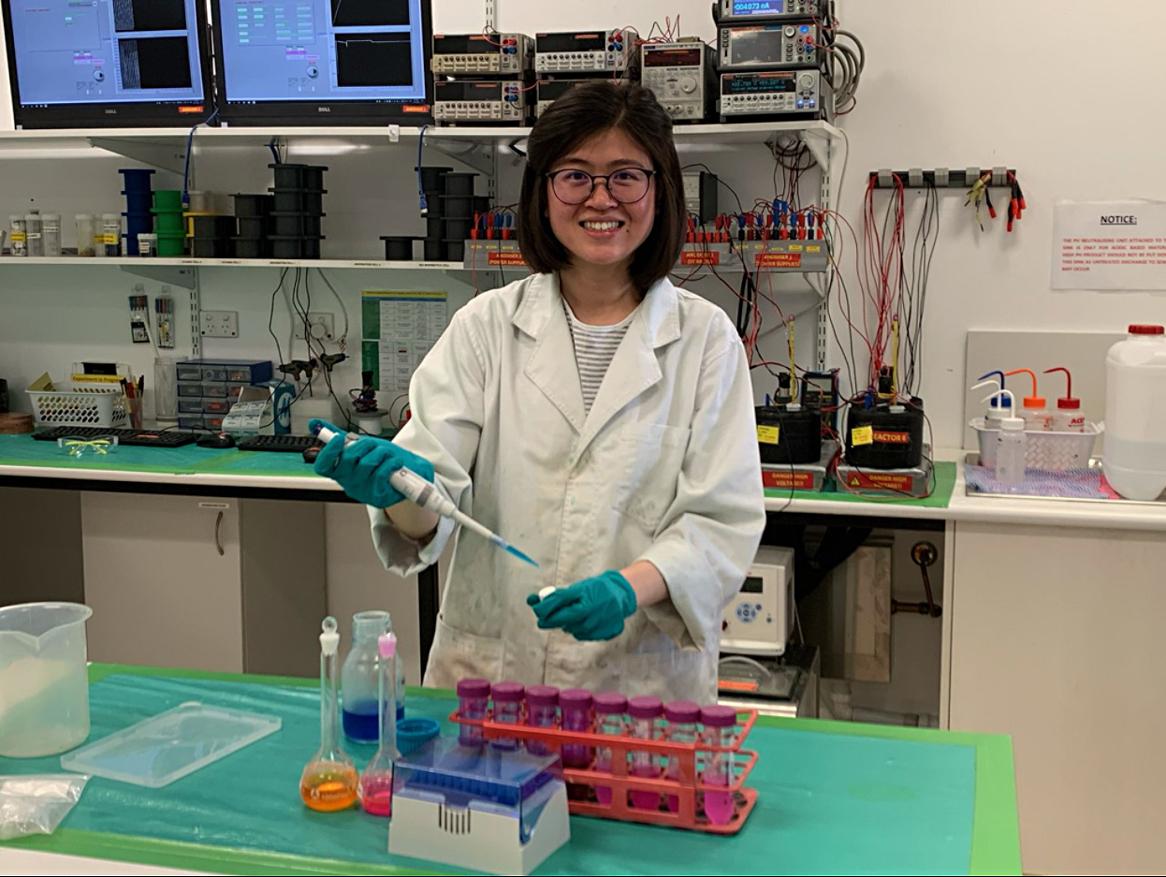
[{"x": 157, "y": 751}]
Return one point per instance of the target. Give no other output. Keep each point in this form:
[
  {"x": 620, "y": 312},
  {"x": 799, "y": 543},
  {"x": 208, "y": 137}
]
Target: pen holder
[{"x": 134, "y": 407}]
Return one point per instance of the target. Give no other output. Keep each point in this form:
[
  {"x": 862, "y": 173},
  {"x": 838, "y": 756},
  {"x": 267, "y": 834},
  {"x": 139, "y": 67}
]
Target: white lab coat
[{"x": 664, "y": 468}]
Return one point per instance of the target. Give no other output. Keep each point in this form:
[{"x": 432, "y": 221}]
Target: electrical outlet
[
  {"x": 220, "y": 324},
  {"x": 323, "y": 326}
]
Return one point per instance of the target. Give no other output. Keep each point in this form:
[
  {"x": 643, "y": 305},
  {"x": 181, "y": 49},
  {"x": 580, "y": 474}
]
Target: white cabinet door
[
  {"x": 1056, "y": 640},
  {"x": 162, "y": 575}
]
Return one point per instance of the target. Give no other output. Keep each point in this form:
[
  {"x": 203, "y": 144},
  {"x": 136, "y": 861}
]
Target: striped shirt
[{"x": 595, "y": 347}]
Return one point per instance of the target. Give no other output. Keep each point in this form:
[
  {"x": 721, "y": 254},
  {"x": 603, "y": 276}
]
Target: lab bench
[
  {"x": 833, "y": 798},
  {"x": 1031, "y": 590}
]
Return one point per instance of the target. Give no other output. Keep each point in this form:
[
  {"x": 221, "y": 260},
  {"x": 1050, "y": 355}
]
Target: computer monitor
[
  {"x": 97, "y": 63},
  {"x": 323, "y": 62}
]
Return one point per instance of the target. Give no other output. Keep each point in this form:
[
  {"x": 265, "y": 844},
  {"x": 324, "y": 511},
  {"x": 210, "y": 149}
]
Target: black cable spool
[
  {"x": 398, "y": 248},
  {"x": 460, "y": 183}
]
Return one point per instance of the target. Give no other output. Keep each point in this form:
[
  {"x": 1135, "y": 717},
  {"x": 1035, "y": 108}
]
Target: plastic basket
[
  {"x": 1048, "y": 451},
  {"x": 79, "y": 406}
]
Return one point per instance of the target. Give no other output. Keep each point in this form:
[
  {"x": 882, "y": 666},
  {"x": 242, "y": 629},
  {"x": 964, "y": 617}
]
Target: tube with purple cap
[
  {"x": 645, "y": 712},
  {"x": 610, "y": 710},
  {"x": 718, "y": 726},
  {"x": 507, "y": 710},
  {"x": 682, "y": 716},
  {"x": 542, "y": 702},
  {"x": 473, "y": 698}
]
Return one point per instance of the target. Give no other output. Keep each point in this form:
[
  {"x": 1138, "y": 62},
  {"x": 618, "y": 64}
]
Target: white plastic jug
[
  {"x": 1134, "y": 456},
  {"x": 44, "y": 680}
]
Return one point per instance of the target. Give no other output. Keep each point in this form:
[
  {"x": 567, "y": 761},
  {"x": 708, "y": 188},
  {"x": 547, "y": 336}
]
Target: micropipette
[{"x": 423, "y": 493}]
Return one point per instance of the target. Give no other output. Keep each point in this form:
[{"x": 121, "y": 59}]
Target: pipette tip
[{"x": 510, "y": 549}]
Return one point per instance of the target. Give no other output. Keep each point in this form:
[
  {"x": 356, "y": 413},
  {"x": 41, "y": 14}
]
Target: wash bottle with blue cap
[{"x": 1000, "y": 406}]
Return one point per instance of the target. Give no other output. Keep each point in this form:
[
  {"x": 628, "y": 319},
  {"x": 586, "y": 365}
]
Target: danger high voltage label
[
  {"x": 785, "y": 479},
  {"x": 880, "y": 481}
]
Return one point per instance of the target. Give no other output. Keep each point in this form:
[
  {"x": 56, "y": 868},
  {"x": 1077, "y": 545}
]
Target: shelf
[
  {"x": 112, "y": 138},
  {"x": 189, "y": 262}
]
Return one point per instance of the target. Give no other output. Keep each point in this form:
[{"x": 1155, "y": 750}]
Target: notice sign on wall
[{"x": 1109, "y": 245}]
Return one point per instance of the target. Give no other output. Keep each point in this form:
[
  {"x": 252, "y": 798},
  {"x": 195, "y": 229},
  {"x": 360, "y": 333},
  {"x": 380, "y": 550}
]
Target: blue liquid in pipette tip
[{"x": 510, "y": 549}]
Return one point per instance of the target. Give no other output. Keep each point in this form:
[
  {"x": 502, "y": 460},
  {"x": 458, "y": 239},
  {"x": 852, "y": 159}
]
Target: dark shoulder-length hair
[{"x": 582, "y": 113}]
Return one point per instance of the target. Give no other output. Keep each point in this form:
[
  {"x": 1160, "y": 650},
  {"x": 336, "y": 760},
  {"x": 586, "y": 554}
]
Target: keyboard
[
  {"x": 291, "y": 443},
  {"x": 143, "y": 437}
]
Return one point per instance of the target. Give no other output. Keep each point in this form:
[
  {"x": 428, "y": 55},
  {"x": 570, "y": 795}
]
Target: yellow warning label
[
  {"x": 769, "y": 435},
  {"x": 813, "y": 248},
  {"x": 795, "y": 248},
  {"x": 861, "y": 435},
  {"x": 110, "y": 239},
  {"x": 854, "y": 482}
]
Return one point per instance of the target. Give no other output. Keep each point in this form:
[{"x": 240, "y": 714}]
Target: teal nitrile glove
[
  {"x": 364, "y": 467},
  {"x": 591, "y": 609}
]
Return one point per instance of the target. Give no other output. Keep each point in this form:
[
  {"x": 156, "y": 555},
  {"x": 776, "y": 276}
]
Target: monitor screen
[
  {"x": 74, "y": 63},
  {"x": 323, "y": 61}
]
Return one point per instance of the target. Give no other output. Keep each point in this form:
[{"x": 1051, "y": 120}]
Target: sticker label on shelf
[
  {"x": 778, "y": 260},
  {"x": 505, "y": 258},
  {"x": 700, "y": 257}
]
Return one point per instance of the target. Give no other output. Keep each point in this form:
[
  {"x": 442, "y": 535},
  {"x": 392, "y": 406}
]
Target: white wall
[
  {"x": 1014, "y": 84},
  {"x": 1017, "y": 84}
]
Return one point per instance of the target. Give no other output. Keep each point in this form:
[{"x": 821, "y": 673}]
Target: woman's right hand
[{"x": 364, "y": 467}]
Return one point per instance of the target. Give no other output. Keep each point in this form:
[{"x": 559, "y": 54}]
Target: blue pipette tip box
[{"x": 478, "y": 806}]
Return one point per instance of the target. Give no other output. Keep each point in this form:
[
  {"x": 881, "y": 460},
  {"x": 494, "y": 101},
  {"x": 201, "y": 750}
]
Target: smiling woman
[
  {"x": 598, "y": 414},
  {"x": 602, "y": 186}
]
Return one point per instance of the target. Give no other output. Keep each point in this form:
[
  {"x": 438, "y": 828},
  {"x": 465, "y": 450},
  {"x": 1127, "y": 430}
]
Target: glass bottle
[
  {"x": 329, "y": 782},
  {"x": 358, "y": 677},
  {"x": 34, "y": 231},
  {"x": 17, "y": 235},
  {"x": 52, "y": 234},
  {"x": 86, "y": 232}
]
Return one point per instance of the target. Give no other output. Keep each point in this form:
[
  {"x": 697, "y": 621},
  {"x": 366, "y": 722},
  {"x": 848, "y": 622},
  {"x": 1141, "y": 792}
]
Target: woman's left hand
[{"x": 590, "y": 609}]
